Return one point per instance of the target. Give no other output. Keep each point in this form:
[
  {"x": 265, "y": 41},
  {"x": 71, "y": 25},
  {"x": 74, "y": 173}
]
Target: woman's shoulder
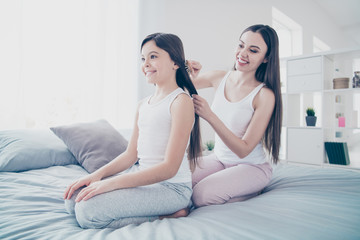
[
  {"x": 266, "y": 91},
  {"x": 265, "y": 96},
  {"x": 219, "y": 73},
  {"x": 216, "y": 76}
]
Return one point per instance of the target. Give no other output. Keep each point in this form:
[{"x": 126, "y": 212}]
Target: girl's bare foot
[{"x": 181, "y": 213}]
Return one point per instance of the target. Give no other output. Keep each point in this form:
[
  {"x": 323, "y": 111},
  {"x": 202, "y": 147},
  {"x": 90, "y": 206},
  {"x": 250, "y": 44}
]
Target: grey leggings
[{"x": 130, "y": 206}]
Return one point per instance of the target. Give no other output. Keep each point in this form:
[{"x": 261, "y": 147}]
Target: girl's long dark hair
[
  {"x": 269, "y": 73},
  {"x": 172, "y": 44}
]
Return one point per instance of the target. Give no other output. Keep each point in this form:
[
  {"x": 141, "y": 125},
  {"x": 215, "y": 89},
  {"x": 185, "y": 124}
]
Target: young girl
[
  {"x": 246, "y": 115},
  {"x": 165, "y": 125}
]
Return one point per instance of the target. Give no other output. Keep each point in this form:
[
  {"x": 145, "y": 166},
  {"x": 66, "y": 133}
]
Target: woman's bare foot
[{"x": 181, "y": 213}]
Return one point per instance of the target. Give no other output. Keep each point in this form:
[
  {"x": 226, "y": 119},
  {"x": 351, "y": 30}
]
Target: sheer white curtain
[{"x": 67, "y": 61}]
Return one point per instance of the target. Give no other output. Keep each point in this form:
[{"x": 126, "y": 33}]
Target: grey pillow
[
  {"x": 27, "y": 149},
  {"x": 93, "y": 144}
]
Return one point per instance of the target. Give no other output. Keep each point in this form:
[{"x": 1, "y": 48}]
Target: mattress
[{"x": 300, "y": 202}]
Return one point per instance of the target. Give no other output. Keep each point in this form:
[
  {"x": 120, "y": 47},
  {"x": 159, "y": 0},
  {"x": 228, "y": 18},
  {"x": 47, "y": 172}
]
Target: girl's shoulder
[
  {"x": 183, "y": 101},
  {"x": 142, "y": 101},
  {"x": 183, "y": 97}
]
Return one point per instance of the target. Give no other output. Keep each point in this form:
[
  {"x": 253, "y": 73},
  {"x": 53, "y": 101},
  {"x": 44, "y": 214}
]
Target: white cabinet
[
  {"x": 309, "y": 83},
  {"x": 304, "y": 74},
  {"x": 303, "y": 66},
  {"x": 305, "y": 145}
]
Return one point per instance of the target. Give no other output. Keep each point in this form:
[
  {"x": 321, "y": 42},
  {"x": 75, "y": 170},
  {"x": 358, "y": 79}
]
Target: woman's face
[
  {"x": 250, "y": 52},
  {"x": 157, "y": 65}
]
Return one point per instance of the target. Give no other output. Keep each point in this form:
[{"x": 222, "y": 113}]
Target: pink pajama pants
[{"x": 216, "y": 183}]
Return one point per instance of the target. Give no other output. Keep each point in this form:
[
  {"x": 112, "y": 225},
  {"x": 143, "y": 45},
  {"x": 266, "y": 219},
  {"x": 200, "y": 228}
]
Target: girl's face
[
  {"x": 157, "y": 65},
  {"x": 251, "y": 52}
]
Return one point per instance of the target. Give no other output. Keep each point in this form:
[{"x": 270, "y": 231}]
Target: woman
[
  {"x": 165, "y": 125},
  {"x": 246, "y": 115}
]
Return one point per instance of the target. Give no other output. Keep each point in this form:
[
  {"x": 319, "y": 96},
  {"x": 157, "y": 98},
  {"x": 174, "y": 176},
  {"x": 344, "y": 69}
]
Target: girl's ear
[
  {"x": 265, "y": 60},
  {"x": 175, "y": 67}
]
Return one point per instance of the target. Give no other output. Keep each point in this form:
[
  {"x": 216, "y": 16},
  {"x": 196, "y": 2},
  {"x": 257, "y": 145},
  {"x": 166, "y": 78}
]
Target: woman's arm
[
  {"x": 204, "y": 80},
  {"x": 264, "y": 104},
  {"x": 182, "y": 112}
]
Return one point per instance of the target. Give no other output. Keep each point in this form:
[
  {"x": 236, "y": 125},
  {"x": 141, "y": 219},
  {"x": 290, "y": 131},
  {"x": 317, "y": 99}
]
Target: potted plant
[
  {"x": 209, "y": 147},
  {"x": 310, "y": 118}
]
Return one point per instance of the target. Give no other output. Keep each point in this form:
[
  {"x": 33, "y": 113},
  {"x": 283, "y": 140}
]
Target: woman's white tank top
[{"x": 236, "y": 116}]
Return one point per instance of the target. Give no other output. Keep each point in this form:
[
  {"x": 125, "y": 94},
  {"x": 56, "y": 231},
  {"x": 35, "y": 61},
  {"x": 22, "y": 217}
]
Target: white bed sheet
[{"x": 299, "y": 203}]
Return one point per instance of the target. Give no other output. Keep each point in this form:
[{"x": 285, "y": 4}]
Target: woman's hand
[
  {"x": 85, "y": 181},
  {"x": 202, "y": 107},
  {"x": 204, "y": 80},
  {"x": 94, "y": 189},
  {"x": 194, "y": 67}
]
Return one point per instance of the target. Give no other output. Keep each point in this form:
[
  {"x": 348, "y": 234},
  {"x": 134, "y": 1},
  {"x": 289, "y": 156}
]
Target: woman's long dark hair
[
  {"x": 269, "y": 73},
  {"x": 172, "y": 44}
]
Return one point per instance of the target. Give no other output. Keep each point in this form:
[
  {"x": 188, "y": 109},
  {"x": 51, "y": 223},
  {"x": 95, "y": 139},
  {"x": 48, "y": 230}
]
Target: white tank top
[
  {"x": 154, "y": 123},
  {"x": 236, "y": 116}
]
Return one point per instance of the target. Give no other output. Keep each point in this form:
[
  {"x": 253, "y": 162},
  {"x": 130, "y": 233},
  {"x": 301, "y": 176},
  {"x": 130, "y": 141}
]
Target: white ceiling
[{"x": 346, "y": 14}]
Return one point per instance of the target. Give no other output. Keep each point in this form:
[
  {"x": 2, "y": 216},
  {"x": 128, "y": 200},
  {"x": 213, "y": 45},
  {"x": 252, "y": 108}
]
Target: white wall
[
  {"x": 210, "y": 29},
  {"x": 315, "y": 22}
]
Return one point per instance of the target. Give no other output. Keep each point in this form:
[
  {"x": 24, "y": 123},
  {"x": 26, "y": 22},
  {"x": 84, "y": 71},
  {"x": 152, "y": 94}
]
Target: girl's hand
[
  {"x": 94, "y": 189},
  {"x": 85, "y": 181},
  {"x": 202, "y": 107},
  {"x": 194, "y": 67}
]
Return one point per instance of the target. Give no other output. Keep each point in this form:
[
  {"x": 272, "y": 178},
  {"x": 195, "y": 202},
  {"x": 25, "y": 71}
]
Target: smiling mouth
[
  {"x": 149, "y": 73},
  {"x": 242, "y": 61}
]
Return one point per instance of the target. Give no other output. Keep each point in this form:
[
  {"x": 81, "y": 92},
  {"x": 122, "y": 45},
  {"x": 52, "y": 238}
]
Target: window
[
  {"x": 289, "y": 33},
  {"x": 290, "y": 44},
  {"x": 67, "y": 61}
]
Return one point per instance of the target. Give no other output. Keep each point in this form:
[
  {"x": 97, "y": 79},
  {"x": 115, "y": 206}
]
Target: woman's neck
[{"x": 244, "y": 78}]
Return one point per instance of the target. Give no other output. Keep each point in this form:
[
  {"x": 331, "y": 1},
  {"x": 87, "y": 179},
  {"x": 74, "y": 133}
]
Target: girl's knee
[
  {"x": 86, "y": 217},
  {"x": 82, "y": 216},
  {"x": 70, "y": 206},
  {"x": 70, "y": 203}
]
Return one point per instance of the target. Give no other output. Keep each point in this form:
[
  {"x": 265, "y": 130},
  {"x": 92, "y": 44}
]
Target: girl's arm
[
  {"x": 119, "y": 164},
  {"x": 264, "y": 104},
  {"x": 182, "y": 113},
  {"x": 127, "y": 158},
  {"x": 204, "y": 80}
]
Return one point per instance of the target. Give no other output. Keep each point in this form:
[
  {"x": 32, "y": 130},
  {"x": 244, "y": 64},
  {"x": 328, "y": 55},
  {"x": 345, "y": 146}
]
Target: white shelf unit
[{"x": 309, "y": 83}]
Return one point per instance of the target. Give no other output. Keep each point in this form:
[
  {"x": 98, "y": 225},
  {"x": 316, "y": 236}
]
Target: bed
[{"x": 300, "y": 202}]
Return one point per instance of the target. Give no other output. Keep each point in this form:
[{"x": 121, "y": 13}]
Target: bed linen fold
[{"x": 301, "y": 202}]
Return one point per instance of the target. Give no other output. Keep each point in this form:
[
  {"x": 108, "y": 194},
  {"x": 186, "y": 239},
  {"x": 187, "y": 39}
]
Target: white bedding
[{"x": 299, "y": 203}]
